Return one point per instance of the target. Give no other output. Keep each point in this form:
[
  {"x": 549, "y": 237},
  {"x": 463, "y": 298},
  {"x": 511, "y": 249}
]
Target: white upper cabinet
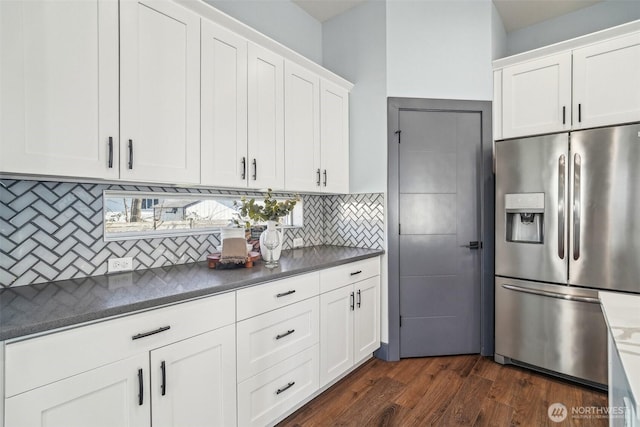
[
  {"x": 266, "y": 119},
  {"x": 160, "y": 92},
  {"x": 224, "y": 107},
  {"x": 606, "y": 82},
  {"x": 537, "y": 96},
  {"x": 59, "y": 86},
  {"x": 302, "y": 129},
  {"x": 334, "y": 137}
]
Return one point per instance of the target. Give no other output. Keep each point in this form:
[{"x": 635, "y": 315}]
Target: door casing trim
[{"x": 394, "y": 106}]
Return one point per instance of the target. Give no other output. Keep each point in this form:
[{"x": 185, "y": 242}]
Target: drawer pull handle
[
  {"x": 284, "y": 294},
  {"x": 356, "y": 272},
  {"x": 146, "y": 334},
  {"x": 359, "y": 298},
  {"x": 289, "y": 332},
  {"x": 163, "y": 386},
  {"x": 140, "y": 388},
  {"x": 285, "y": 388}
]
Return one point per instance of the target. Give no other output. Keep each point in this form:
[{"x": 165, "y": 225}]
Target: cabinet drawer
[
  {"x": 38, "y": 361},
  {"x": 270, "y": 338},
  {"x": 337, "y": 277},
  {"x": 270, "y": 394},
  {"x": 262, "y": 298}
]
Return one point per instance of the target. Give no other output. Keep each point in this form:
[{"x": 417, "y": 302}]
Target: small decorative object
[
  {"x": 271, "y": 240},
  {"x": 270, "y": 211}
]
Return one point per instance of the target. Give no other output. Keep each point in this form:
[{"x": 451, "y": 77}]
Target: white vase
[{"x": 271, "y": 254}]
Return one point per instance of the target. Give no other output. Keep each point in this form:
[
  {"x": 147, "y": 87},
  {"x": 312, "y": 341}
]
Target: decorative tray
[{"x": 213, "y": 259}]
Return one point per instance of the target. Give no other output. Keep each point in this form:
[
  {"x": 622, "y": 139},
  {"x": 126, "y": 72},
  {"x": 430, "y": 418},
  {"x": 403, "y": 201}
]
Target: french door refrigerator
[{"x": 567, "y": 225}]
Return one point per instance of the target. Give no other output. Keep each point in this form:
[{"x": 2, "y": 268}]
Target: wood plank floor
[{"x": 467, "y": 390}]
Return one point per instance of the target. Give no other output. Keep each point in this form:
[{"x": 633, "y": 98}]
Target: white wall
[
  {"x": 498, "y": 35},
  {"x": 602, "y": 15},
  {"x": 354, "y": 46},
  {"x": 283, "y": 21},
  {"x": 439, "y": 49}
]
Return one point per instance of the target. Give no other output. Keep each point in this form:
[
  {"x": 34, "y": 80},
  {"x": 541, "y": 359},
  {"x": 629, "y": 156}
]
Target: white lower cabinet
[
  {"x": 268, "y": 395},
  {"x": 110, "y": 396},
  {"x": 245, "y": 358},
  {"x": 193, "y": 381},
  {"x": 349, "y": 327},
  {"x": 172, "y": 366},
  {"x": 271, "y": 337}
]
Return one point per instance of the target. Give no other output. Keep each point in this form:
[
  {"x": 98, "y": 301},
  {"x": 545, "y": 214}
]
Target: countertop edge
[
  {"x": 630, "y": 363},
  {"x": 30, "y": 331}
]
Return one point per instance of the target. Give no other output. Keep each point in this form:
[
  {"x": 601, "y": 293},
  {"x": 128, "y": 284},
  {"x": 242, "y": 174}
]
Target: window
[{"x": 136, "y": 215}]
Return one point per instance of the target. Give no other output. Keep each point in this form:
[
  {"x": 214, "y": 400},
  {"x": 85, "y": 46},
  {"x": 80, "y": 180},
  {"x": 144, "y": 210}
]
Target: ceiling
[{"x": 515, "y": 14}]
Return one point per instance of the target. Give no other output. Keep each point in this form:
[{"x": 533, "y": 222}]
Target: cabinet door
[
  {"x": 194, "y": 381},
  {"x": 367, "y": 318},
  {"x": 302, "y": 129},
  {"x": 334, "y": 138},
  {"x": 266, "y": 119},
  {"x": 59, "y": 86},
  {"x": 159, "y": 92},
  {"x": 537, "y": 96},
  {"x": 336, "y": 333},
  {"x": 224, "y": 107},
  {"x": 109, "y": 396},
  {"x": 606, "y": 83}
]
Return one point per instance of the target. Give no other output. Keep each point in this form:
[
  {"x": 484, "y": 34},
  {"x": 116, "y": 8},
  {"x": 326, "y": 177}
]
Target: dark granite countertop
[{"x": 26, "y": 310}]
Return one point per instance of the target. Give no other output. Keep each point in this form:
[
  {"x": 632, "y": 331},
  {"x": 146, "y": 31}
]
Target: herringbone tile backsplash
[{"x": 54, "y": 230}]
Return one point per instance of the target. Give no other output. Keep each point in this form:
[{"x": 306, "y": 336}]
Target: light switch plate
[
  {"x": 119, "y": 264},
  {"x": 298, "y": 242}
]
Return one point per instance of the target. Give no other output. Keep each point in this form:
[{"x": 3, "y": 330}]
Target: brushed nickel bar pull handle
[
  {"x": 552, "y": 294},
  {"x": 255, "y": 169},
  {"x": 284, "y": 294},
  {"x": 146, "y": 334},
  {"x": 359, "y": 298},
  {"x": 244, "y": 168},
  {"x": 564, "y": 115},
  {"x": 289, "y": 332},
  {"x": 325, "y": 177},
  {"x": 577, "y": 166},
  {"x": 561, "y": 191},
  {"x": 356, "y": 272},
  {"x": 285, "y": 388},
  {"x": 318, "y": 181},
  {"x": 353, "y": 301}
]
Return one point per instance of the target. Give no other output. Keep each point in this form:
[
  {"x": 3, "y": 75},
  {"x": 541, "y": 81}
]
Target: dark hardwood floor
[{"x": 467, "y": 390}]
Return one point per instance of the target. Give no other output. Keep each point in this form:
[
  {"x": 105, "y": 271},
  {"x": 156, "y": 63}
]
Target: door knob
[{"x": 472, "y": 245}]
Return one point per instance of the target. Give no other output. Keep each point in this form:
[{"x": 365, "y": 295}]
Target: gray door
[{"x": 439, "y": 198}]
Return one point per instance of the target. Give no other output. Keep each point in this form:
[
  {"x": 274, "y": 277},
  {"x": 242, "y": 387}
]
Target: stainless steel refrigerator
[{"x": 567, "y": 224}]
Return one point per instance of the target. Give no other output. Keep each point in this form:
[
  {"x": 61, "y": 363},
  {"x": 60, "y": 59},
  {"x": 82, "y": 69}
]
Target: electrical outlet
[
  {"x": 119, "y": 264},
  {"x": 298, "y": 242}
]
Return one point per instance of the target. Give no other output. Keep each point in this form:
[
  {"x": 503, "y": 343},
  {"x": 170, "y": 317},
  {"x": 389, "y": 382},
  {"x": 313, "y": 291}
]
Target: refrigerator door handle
[
  {"x": 577, "y": 162},
  {"x": 561, "y": 195},
  {"x": 552, "y": 294}
]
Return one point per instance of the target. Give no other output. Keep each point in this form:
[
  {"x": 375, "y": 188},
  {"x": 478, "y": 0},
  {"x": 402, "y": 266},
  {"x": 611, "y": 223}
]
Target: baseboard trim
[{"x": 383, "y": 352}]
